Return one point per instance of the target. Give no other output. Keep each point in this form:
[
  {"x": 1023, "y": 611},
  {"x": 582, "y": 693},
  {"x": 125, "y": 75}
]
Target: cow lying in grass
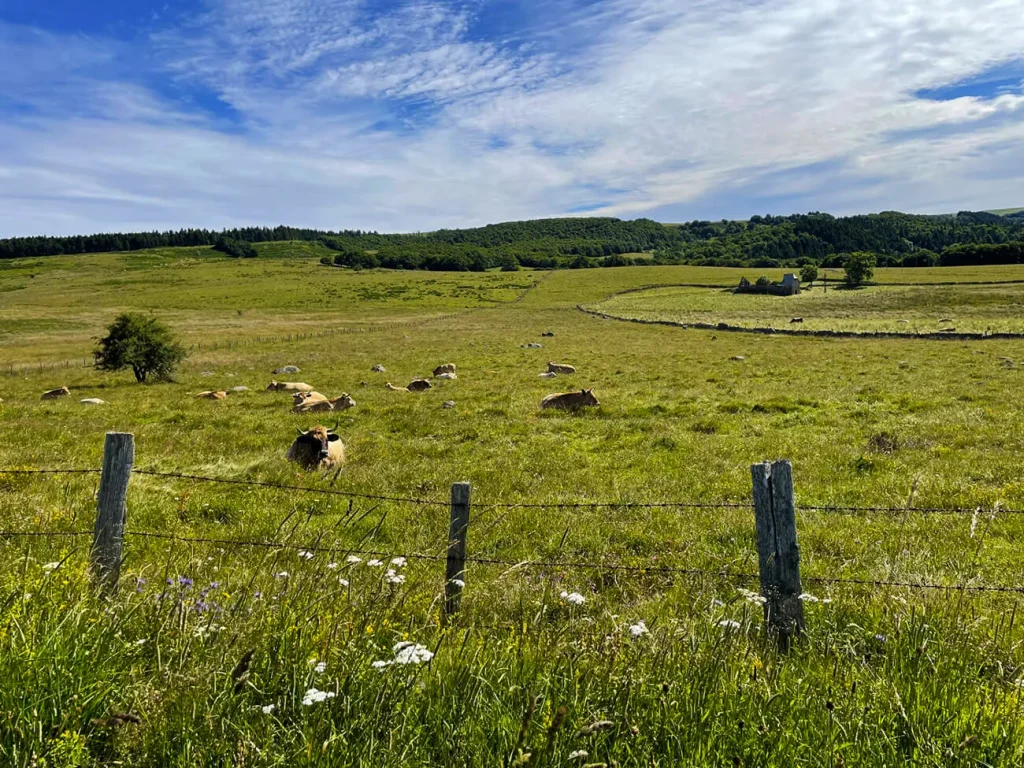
[
  {"x": 53, "y": 394},
  {"x": 559, "y": 368},
  {"x": 288, "y": 386},
  {"x": 317, "y": 448},
  {"x": 570, "y": 401},
  {"x": 327, "y": 404}
]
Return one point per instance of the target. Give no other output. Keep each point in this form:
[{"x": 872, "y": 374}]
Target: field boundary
[{"x": 769, "y": 331}]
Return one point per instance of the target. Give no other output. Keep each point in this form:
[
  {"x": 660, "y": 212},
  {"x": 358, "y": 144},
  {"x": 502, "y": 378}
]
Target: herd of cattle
[{"x": 322, "y": 448}]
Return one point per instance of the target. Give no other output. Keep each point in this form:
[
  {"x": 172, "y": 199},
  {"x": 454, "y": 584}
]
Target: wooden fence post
[
  {"x": 455, "y": 567},
  {"x": 777, "y": 552},
  {"x": 111, "y": 509}
]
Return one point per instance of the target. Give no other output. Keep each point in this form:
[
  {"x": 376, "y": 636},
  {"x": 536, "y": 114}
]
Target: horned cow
[
  {"x": 213, "y": 395},
  {"x": 559, "y": 368},
  {"x": 53, "y": 394},
  {"x": 446, "y": 368},
  {"x": 299, "y": 398},
  {"x": 570, "y": 401},
  {"x": 288, "y": 386},
  {"x": 317, "y": 448},
  {"x": 419, "y": 385}
]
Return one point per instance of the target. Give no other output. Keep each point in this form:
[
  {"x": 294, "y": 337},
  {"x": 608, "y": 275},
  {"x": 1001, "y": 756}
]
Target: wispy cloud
[{"x": 414, "y": 115}]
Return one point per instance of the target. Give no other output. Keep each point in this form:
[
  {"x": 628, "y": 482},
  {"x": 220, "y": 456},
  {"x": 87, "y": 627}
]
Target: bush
[
  {"x": 809, "y": 274},
  {"x": 763, "y": 281},
  {"x": 859, "y": 267},
  {"x": 141, "y": 343}
]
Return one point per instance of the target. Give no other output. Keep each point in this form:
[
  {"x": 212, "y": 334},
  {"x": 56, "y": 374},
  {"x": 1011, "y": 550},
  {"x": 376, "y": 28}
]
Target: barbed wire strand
[
  {"x": 45, "y": 534},
  {"x": 50, "y": 471}
]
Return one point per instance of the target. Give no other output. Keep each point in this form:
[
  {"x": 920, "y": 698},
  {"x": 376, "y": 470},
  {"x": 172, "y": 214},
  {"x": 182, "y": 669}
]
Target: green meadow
[{"x": 653, "y": 666}]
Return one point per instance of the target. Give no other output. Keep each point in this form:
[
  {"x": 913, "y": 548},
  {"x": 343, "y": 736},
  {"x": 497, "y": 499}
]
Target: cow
[
  {"x": 796, "y": 319},
  {"x": 558, "y": 368},
  {"x": 299, "y": 398},
  {"x": 318, "y": 406},
  {"x": 446, "y": 368},
  {"x": 53, "y": 394},
  {"x": 213, "y": 395},
  {"x": 92, "y": 401},
  {"x": 548, "y": 375},
  {"x": 378, "y": 368},
  {"x": 570, "y": 401},
  {"x": 288, "y": 386},
  {"x": 418, "y": 385},
  {"x": 447, "y": 376},
  {"x": 393, "y": 388},
  {"x": 317, "y": 448}
]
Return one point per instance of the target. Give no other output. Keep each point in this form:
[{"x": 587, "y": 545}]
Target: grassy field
[{"x": 885, "y": 676}]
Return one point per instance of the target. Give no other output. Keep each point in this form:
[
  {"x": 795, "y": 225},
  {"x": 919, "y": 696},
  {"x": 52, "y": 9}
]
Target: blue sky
[{"x": 409, "y": 115}]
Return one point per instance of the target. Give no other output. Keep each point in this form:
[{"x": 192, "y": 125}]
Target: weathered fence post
[
  {"x": 111, "y": 510},
  {"x": 455, "y": 568},
  {"x": 777, "y": 552}
]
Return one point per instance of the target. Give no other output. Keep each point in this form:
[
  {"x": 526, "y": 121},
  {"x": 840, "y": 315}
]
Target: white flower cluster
[
  {"x": 752, "y": 597},
  {"x": 407, "y": 652},
  {"x": 573, "y": 597},
  {"x": 638, "y": 630},
  {"x": 313, "y": 696}
]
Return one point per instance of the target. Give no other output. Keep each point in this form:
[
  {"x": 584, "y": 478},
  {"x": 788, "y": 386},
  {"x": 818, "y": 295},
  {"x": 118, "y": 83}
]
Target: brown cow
[
  {"x": 213, "y": 395},
  {"x": 318, "y": 448},
  {"x": 53, "y": 394},
  {"x": 288, "y": 386},
  {"x": 418, "y": 385},
  {"x": 446, "y": 368},
  {"x": 304, "y": 397},
  {"x": 393, "y": 388},
  {"x": 318, "y": 406},
  {"x": 558, "y": 368},
  {"x": 570, "y": 401}
]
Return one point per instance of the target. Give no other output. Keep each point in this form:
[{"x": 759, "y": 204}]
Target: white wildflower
[
  {"x": 268, "y": 709},
  {"x": 332, "y": 566},
  {"x": 459, "y": 583},
  {"x": 398, "y": 562},
  {"x": 320, "y": 667},
  {"x": 343, "y": 582},
  {"x": 752, "y": 597},
  {"x": 50, "y": 566},
  {"x": 375, "y": 563},
  {"x": 408, "y": 652},
  {"x": 717, "y": 603},
  {"x": 353, "y": 560},
  {"x": 313, "y": 696},
  {"x": 579, "y": 754},
  {"x": 638, "y": 630},
  {"x": 380, "y": 664},
  {"x": 203, "y": 630},
  {"x": 808, "y": 598},
  {"x": 281, "y": 575},
  {"x": 729, "y": 624},
  {"x": 306, "y": 554},
  {"x": 573, "y": 597},
  {"x": 394, "y": 578},
  {"x": 141, "y": 641}
]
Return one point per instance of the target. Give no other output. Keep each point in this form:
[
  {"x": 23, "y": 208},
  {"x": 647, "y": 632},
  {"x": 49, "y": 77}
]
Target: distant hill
[
  {"x": 897, "y": 239},
  {"x": 1007, "y": 211}
]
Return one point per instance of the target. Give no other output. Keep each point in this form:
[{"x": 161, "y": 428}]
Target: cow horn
[
  {"x": 335, "y": 427},
  {"x": 299, "y": 431}
]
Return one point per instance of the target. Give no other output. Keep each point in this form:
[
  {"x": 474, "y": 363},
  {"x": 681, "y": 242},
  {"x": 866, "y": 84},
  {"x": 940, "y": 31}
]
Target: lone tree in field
[
  {"x": 808, "y": 274},
  {"x": 859, "y": 267},
  {"x": 141, "y": 343}
]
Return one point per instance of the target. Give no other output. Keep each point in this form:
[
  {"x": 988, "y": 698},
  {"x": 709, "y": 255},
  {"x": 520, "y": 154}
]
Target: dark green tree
[
  {"x": 141, "y": 343},
  {"x": 859, "y": 267}
]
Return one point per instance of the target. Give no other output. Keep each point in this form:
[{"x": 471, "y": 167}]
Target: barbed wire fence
[{"x": 773, "y": 505}]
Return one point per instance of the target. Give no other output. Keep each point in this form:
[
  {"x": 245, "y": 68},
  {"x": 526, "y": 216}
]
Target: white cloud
[{"x": 416, "y": 118}]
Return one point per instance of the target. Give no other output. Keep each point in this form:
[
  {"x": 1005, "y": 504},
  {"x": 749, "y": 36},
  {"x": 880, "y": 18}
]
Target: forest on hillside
[{"x": 896, "y": 239}]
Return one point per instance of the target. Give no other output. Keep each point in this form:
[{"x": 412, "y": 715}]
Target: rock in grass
[
  {"x": 378, "y": 368},
  {"x": 239, "y": 388},
  {"x": 531, "y": 345},
  {"x": 448, "y": 404},
  {"x": 288, "y": 369},
  {"x": 92, "y": 401}
]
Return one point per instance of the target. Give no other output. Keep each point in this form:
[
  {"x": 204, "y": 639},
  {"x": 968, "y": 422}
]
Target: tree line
[{"x": 896, "y": 239}]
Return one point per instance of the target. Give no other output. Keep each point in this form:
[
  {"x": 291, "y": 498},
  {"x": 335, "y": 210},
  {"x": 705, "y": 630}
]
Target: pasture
[{"x": 886, "y": 675}]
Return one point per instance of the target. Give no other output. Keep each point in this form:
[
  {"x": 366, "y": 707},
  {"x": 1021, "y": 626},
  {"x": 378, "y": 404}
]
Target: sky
[{"x": 412, "y": 115}]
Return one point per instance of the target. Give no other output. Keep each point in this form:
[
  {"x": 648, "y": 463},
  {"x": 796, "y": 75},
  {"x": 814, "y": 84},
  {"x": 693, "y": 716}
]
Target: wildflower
[
  {"x": 268, "y": 709},
  {"x": 281, "y": 575},
  {"x": 808, "y": 598},
  {"x": 306, "y": 554},
  {"x": 880, "y": 638},
  {"x": 579, "y": 754},
  {"x": 257, "y": 594},
  {"x": 141, "y": 641},
  {"x": 202, "y": 631},
  {"x": 313, "y": 696},
  {"x": 753, "y": 597},
  {"x": 375, "y": 563},
  {"x": 716, "y": 603},
  {"x": 398, "y": 562},
  {"x": 353, "y": 560},
  {"x": 394, "y": 578},
  {"x": 320, "y": 667},
  {"x": 139, "y": 584},
  {"x": 50, "y": 566},
  {"x": 332, "y": 566},
  {"x": 573, "y": 597},
  {"x": 407, "y": 652},
  {"x": 729, "y": 624},
  {"x": 459, "y": 583},
  {"x": 343, "y": 582},
  {"x": 185, "y": 581},
  {"x": 380, "y": 664},
  {"x": 638, "y": 630}
]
